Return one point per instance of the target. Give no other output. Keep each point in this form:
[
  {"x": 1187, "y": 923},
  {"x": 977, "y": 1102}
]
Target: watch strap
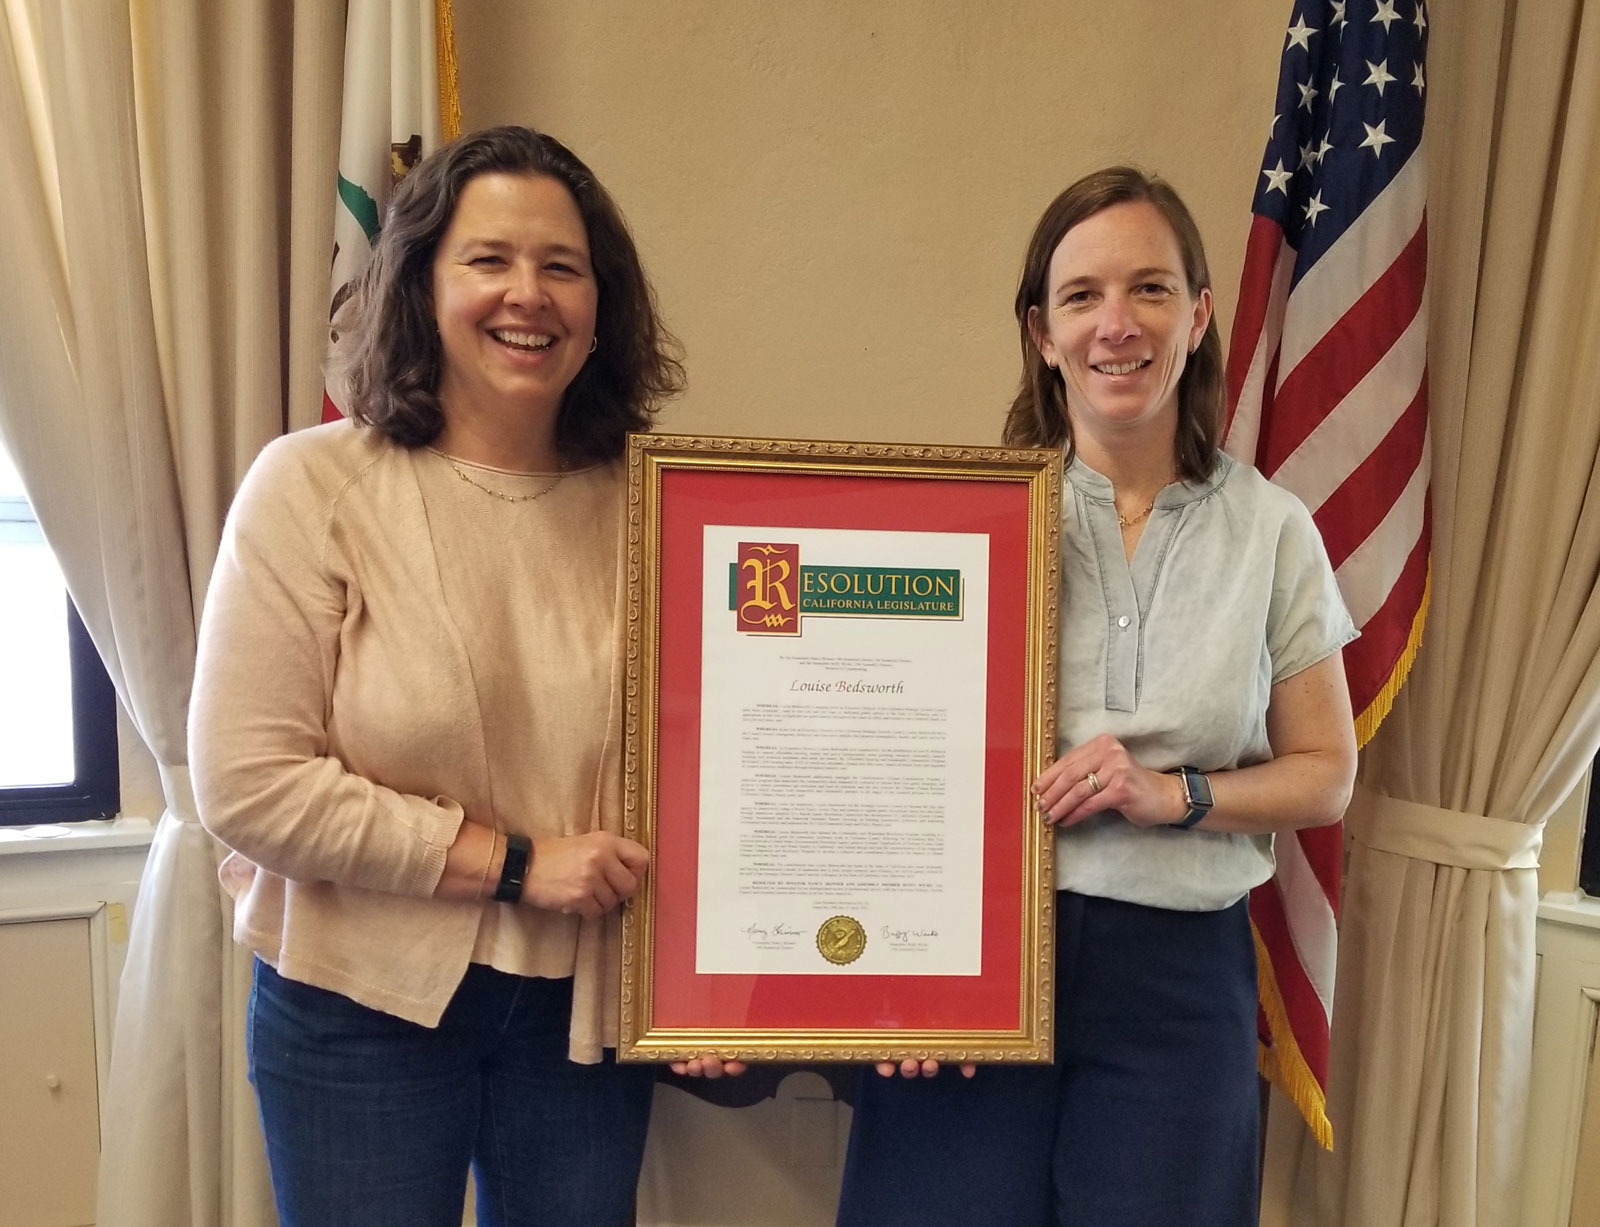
[
  {"x": 514, "y": 869},
  {"x": 1196, "y": 812}
]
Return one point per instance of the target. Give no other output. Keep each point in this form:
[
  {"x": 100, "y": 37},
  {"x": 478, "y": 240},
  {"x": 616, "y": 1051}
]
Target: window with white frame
[{"x": 58, "y": 731}]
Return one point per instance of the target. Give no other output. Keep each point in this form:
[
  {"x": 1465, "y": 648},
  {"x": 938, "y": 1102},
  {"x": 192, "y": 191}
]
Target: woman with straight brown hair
[{"x": 1202, "y": 709}]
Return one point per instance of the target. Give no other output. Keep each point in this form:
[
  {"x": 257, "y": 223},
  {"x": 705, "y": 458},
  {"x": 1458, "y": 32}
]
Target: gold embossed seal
[{"x": 841, "y": 939}]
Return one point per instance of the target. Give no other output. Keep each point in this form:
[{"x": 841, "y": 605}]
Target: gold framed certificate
[{"x": 841, "y": 678}]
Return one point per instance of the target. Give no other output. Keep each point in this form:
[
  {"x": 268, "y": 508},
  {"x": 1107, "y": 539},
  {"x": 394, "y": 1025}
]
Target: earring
[{"x": 593, "y": 343}]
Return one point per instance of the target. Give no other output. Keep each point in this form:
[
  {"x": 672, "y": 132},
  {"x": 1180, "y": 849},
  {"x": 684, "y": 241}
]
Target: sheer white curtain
[
  {"x": 167, "y": 209},
  {"x": 1432, "y": 1029}
]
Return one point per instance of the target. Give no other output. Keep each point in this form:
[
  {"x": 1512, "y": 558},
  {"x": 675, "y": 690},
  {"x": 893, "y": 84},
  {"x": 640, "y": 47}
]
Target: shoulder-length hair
[
  {"x": 394, "y": 359},
  {"x": 1038, "y": 415}
]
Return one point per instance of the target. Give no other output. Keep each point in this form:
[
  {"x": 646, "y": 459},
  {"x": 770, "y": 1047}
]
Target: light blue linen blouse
[{"x": 1229, "y": 592}]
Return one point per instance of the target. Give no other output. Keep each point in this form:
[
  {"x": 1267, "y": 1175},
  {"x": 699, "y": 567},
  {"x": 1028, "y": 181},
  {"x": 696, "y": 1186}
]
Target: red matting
[{"x": 990, "y": 1001}]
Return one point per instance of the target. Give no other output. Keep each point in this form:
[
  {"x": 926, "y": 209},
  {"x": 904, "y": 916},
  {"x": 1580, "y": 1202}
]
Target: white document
[{"x": 842, "y": 768}]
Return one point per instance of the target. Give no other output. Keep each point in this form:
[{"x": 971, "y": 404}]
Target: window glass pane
[
  {"x": 35, "y": 661},
  {"x": 35, "y": 669},
  {"x": 10, "y": 479}
]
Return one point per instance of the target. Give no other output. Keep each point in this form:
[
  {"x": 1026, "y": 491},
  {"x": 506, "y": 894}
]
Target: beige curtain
[
  {"x": 167, "y": 212},
  {"x": 1433, "y": 1021}
]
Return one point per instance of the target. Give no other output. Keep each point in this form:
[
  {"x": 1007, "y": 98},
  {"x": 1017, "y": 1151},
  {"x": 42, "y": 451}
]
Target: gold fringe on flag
[
  {"x": 1367, "y": 721},
  {"x": 444, "y": 29},
  {"x": 1283, "y": 1064}
]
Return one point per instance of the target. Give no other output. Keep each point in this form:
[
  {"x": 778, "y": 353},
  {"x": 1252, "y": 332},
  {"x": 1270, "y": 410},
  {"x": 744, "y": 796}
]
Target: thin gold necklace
[
  {"x": 501, "y": 494},
  {"x": 1129, "y": 521}
]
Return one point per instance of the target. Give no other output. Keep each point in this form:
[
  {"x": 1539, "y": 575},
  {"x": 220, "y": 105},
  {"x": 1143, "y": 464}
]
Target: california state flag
[{"x": 399, "y": 102}]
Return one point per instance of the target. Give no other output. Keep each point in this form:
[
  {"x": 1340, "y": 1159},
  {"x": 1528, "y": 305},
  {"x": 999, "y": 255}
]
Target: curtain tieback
[
  {"x": 178, "y": 793},
  {"x": 1441, "y": 836}
]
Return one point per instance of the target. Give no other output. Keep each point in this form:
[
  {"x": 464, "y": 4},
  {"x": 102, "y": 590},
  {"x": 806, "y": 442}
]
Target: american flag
[{"x": 1328, "y": 396}]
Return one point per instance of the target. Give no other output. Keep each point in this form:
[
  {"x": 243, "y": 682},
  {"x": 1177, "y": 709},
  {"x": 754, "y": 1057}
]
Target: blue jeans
[
  {"x": 1148, "y": 1118},
  {"x": 372, "y": 1120}
]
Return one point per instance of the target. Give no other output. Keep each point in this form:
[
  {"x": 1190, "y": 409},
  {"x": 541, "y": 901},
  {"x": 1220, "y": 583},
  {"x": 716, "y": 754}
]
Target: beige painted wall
[{"x": 832, "y": 197}]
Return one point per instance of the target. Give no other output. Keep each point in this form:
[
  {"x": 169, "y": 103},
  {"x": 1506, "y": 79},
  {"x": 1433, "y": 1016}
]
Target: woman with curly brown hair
[{"x": 406, "y": 717}]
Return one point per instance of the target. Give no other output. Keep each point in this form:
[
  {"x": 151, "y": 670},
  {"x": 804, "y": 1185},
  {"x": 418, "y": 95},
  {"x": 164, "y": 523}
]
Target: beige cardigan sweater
[{"x": 338, "y": 731}]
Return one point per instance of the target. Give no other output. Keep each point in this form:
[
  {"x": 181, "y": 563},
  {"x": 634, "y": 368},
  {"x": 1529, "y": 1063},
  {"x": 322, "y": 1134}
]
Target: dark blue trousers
[
  {"x": 1148, "y": 1117},
  {"x": 371, "y": 1121}
]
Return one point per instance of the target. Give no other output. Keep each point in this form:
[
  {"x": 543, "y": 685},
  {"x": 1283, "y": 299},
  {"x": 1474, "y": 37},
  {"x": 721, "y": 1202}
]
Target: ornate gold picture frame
[{"x": 841, "y": 683}]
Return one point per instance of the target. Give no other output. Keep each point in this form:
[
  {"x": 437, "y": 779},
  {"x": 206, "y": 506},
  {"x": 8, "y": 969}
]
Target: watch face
[{"x": 1199, "y": 789}]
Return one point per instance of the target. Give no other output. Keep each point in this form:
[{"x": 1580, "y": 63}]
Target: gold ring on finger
[{"x": 1094, "y": 783}]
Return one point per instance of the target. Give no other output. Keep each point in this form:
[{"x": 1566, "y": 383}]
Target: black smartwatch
[
  {"x": 1196, "y": 795},
  {"x": 514, "y": 869}
]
